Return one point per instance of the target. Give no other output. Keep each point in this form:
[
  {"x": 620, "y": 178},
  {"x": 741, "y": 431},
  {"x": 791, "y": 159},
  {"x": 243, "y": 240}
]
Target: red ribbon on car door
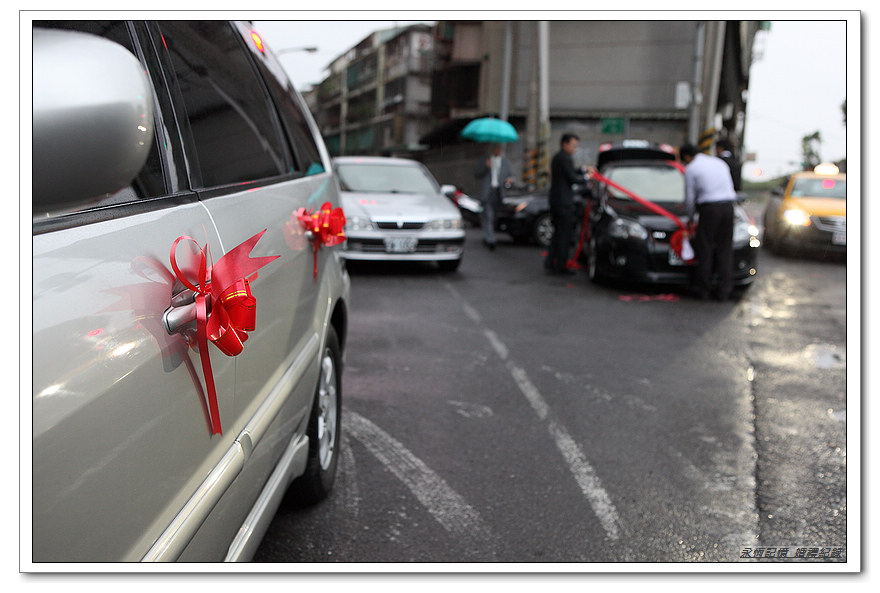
[
  {"x": 676, "y": 241},
  {"x": 225, "y": 307},
  {"x": 327, "y": 227}
]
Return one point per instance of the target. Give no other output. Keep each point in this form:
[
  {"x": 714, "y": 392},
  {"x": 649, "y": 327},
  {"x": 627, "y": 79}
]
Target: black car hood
[{"x": 647, "y": 217}]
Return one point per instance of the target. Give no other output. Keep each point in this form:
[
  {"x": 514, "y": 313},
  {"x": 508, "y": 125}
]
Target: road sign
[{"x": 613, "y": 125}]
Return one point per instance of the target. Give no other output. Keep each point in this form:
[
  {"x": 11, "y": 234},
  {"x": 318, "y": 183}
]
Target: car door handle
[{"x": 181, "y": 313}]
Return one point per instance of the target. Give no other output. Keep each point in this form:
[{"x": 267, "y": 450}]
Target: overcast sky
[{"x": 796, "y": 88}]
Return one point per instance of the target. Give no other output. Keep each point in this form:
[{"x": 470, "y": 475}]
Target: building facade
[
  {"x": 376, "y": 99},
  {"x": 409, "y": 91}
]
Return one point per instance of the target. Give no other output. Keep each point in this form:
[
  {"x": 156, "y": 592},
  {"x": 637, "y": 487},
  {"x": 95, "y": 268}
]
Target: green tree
[{"x": 810, "y": 148}]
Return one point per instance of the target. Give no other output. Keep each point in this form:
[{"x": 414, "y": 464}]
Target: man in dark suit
[
  {"x": 493, "y": 173},
  {"x": 562, "y": 176},
  {"x": 724, "y": 150}
]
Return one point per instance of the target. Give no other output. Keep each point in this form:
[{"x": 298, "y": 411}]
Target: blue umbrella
[{"x": 489, "y": 129}]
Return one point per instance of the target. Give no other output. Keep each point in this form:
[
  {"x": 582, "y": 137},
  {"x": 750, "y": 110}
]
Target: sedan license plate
[
  {"x": 400, "y": 244},
  {"x": 838, "y": 238}
]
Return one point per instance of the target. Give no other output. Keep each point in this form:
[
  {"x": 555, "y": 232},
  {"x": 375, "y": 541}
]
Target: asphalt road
[{"x": 499, "y": 414}]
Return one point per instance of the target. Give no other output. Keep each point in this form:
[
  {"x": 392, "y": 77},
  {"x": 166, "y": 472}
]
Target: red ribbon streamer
[
  {"x": 675, "y": 241},
  {"x": 225, "y": 289},
  {"x": 327, "y": 227}
]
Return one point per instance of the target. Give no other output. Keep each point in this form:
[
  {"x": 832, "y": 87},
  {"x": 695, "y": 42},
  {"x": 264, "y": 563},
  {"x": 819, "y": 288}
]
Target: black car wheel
[
  {"x": 593, "y": 272},
  {"x": 325, "y": 425},
  {"x": 543, "y": 230}
]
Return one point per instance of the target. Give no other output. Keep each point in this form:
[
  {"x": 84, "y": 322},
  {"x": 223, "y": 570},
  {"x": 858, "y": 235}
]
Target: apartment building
[{"x": 376, "y": 99}]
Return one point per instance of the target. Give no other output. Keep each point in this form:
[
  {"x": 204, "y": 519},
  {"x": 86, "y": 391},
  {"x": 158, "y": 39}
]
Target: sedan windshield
[
  {"x": 378, "y": 178},
  {"x": 654, "y": 183},
  {"x": 819, "y": 188}
]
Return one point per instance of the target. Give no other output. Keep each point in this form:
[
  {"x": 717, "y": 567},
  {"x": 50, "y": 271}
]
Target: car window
[
  {"x": 307, "y": 156},
  {"x": 232, "y": 125},
  {"x": 385, "y": 178},
  {"x": 819, "y": 188},
  {"x": 657, "y": 184},
  {"x": 151, "y": 182}
]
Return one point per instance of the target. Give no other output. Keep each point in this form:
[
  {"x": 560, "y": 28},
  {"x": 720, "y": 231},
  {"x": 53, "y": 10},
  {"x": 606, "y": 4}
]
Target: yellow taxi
[{"x": 808, "y": 213}]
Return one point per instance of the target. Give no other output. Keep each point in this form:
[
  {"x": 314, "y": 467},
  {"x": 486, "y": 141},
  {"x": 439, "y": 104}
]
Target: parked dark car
[
  {"x": 526, "y": 218},
  {"x": 628, "y": 241}
]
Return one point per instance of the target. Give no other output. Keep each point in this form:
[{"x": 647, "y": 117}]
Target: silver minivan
[{"x": 172, "y": 416}]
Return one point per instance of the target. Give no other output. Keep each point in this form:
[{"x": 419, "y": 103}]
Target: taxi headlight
[{"x": 796, "y": 217}]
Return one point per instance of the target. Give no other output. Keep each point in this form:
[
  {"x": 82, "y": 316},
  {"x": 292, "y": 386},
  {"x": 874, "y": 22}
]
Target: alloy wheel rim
[{"x": 327, "y": 402}]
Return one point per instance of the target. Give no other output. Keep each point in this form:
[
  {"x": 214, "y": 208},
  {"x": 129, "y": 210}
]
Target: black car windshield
[
  {"x": 660, "y": 183},
  {"x": 379, "y": 178},
  {"x": 819, "y": 188}
]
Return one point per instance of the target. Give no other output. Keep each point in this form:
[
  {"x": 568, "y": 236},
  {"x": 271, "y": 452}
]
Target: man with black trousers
[
  {"x": 562, "y": 176},
  {"x": 709, "y": 192}
]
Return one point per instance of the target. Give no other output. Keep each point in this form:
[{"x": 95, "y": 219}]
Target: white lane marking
[
  {"x": 497, "y": 344},
  {"x": 351, "y": 494},
  {"x": 578, "y": 465},
  {"x": 536, "y": 400},
  {"x": 449, "y": 508},
  {"x": 586, "y": 477}
]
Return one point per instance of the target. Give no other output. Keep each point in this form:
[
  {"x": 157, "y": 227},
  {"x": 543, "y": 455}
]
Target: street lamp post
[{"x": 288, "y": 50}]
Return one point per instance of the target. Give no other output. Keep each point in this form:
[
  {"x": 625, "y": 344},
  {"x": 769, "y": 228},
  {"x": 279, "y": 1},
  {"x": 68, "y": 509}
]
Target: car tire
[
  {"x": 324, "y": 430},
  {"x": 593, "y": 272},
  {"x": 542, "y": 230},
  {"x": 449, "y": 265}
]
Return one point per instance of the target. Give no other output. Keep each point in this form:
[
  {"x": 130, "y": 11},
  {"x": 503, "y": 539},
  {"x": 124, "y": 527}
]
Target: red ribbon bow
[
  {"x": 327, "y": 227},
  {"x": 224, "y": 288},
  {"x": 675, "y": 241}
]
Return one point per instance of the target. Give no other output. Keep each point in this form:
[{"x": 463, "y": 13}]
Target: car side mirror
[
  {"x": 92, "y": 118},
  {"x": 777, "y": 191},
  {"x": 448, "y": 190}
]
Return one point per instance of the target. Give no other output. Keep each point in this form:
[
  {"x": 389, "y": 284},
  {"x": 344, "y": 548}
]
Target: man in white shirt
[{"x": 710, "y": 193}]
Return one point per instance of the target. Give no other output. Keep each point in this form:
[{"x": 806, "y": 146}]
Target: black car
[
  {"x": 526, "y": 216},
  {"x": 628, "y": 241}
]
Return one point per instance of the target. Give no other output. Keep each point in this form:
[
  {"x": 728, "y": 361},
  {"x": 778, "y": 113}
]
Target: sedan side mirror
[
  {"x": 448, "y": 190},
  {"x": 92, "y": 118}
]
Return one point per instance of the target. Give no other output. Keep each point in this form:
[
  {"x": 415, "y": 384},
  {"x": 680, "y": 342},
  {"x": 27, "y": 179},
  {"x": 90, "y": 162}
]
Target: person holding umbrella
[{"x": 493, "y": 174}]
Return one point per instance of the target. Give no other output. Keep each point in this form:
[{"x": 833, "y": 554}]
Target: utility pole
[
  {"x": 543, "y": 104},
  {"x": 505, "y": 80}
]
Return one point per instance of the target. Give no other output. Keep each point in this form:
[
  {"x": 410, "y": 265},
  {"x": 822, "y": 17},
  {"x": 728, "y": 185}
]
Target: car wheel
[
  {"x": 449, "y": 265},
  {"x": 543, "y": 230},
  {"x": 593, "y": 272},
  {"x": 324, "y": 431}
]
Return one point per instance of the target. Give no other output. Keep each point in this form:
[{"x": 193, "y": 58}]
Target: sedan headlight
[
  {"x": 744, "y": 231},
  {"x": 444, "y": 224},
  {"x": 796, "y": 217},
  {"x": 627, "y": 229},
  {"x": 358, "y": 223}
]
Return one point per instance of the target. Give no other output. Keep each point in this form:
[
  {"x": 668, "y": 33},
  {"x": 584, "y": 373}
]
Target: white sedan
[{"x": 395, "y": 211}]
